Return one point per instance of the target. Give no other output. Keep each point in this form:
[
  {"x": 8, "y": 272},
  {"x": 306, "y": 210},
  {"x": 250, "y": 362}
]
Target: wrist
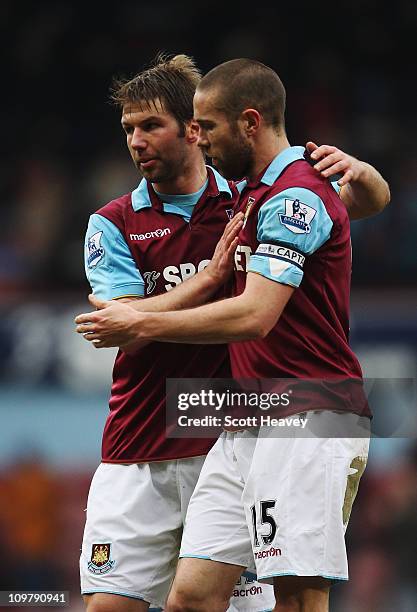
[
  {"x": 138, "y": 328},
  {"x": 213, "y": 278}
]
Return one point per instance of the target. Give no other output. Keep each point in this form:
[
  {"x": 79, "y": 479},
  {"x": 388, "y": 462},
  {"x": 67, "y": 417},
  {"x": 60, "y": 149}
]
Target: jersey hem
[
  {"x": 128, "y": 295},
  {"x": 126, "y": 290}
]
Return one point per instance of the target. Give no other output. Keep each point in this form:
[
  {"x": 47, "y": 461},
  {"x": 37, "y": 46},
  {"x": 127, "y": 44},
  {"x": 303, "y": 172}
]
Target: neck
[
  {"x": 266, "y": 149},
  {"x": 192, "y": 178}
]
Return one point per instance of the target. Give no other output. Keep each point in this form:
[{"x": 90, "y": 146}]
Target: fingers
[
  {"x": 311, "y": 146},
  {"x": 322, "y": 150},
  {"x": 87, "y": 317},
  {"x": 95, "y": 301},
  {"x": 334, "y": 161},
  {"x": 88, "y": 331},
  {"x": 99, "y": 344},
  {"x": 329, "y": 160},
  {"x": 96, "y": 340},
  {"x": 236, "y": 222},
  {"x": 232, "y": 248},
  {"x": 233, "y": 233},
  {"x": 91, "y": 317},
  {"x": 334, "y": 168},
  {"x": 85, "y": 328},
  {"x": 346, "y": 178},
  {"x": 231, "y": 230}
]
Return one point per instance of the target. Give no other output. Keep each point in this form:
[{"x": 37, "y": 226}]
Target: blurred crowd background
[{"x": 349, "y": 73}]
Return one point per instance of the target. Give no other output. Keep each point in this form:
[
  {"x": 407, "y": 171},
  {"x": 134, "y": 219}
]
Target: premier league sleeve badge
[
  {"x": 95, "y": 250},
  {"x": 298, "y": 216}
]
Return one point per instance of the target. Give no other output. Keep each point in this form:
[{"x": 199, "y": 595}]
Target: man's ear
[
  {"x": 191, "y": 131},
  {"x": 250, "y": 121}
]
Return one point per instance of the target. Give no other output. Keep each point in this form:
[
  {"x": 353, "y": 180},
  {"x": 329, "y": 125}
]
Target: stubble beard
[
  {"x": 239, "y": 161},
  {"x": 164, "y": 173}
]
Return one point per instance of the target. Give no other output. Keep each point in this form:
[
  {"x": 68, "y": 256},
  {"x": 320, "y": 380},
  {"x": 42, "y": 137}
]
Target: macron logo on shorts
[{"x": 271, "y": 552}]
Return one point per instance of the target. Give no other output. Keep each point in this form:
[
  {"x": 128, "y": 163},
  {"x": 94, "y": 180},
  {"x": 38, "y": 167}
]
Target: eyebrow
[{"x": 204, "y": 121}]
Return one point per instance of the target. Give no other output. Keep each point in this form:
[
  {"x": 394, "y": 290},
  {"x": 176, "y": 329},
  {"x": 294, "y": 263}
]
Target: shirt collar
[
  {"x": 140, "y": 196},
  {"x": 280, "y": 162},
  {"x": 216, "y": 184}
]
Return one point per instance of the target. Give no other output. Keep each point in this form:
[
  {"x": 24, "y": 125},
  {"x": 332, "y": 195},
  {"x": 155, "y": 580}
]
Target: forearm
[
  {"x": 367, "y": 195},
  {"x": 240, "y": 318},
  {"x": 193, "y": 292},
  {"x": 221, "y": 322}
]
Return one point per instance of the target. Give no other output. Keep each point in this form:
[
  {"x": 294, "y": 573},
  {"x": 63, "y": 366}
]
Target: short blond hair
[{"x": 170, "y": 80}]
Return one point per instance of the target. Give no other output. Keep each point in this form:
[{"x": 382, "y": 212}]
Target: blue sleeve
[
  {"x": 109, "y": 265},
  {"x": 291, "y": 225}
]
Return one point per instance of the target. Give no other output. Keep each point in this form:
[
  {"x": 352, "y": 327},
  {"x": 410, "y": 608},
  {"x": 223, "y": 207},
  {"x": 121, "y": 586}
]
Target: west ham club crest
[{"x": 100, "y": 562}]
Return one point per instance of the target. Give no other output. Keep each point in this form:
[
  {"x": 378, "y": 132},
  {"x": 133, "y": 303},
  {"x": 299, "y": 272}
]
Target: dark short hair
[
  {"x": 171, "y": 80},
  {"x": 245, "y": 83}
]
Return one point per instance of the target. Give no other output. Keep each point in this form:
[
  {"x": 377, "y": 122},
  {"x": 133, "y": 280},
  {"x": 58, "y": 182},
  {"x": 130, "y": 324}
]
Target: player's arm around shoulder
[{"x": 362, "y": 188}]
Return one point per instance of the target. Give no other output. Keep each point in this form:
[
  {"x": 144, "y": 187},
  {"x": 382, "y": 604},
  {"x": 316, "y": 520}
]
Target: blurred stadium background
[{"x": 348, "y": 73}]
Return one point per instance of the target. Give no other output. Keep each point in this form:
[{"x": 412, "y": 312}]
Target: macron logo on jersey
[{"x": 158, "y": 233}]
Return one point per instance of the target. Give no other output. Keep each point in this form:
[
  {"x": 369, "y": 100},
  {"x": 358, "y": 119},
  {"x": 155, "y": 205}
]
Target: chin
[
  {"x": 231, "y": 174},
  {"x": 222, "y": 169},
  {"x": 151, "y": 176}
]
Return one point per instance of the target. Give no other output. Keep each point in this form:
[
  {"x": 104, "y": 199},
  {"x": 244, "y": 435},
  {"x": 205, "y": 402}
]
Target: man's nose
[
  {"x": 138, "y": 141},
  {"x": 202, "y": 139}
]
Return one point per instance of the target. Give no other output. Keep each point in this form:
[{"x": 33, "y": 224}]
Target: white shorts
[
  {"x": 284, "y": 501},
  {"x": 135, "y": 517}
]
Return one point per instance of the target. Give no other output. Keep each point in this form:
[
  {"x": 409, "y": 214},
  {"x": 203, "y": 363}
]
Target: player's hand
[
  {"x": 112, "y": 324},
  {"x": 221, "y": 264},
  {"x": 331, "y": 160}
]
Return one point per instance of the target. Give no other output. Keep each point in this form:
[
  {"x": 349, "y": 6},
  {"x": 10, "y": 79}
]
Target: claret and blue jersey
[
  {"x": 140, "y": 245},
  {"x": 121, "y": 247},
  {"x": 296, "y": 232}
]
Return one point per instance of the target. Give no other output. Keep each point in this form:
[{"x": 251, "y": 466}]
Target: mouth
[{"x": 146, "y": 163}]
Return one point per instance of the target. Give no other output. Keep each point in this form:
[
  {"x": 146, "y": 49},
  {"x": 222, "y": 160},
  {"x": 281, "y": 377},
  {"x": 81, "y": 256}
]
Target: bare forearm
[
  {"x": 221, "y": 322},
  {"x": 240, "y": 318},
  {"x": 367, "y": 195},
  {"x": 232, "y": 320}
]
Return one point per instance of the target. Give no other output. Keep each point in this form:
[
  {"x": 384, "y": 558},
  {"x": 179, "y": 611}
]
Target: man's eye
[
  {"x": 152, "y": 126},
  {"x": 128, "y": 129}
]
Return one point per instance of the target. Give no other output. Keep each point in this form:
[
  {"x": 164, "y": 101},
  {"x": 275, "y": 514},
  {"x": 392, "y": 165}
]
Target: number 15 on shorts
[{"x": 263, "y": 510}]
